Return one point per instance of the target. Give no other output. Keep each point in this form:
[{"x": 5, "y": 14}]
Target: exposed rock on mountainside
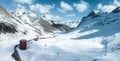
[
  {"x": 7, "y": 28},
  {"x": 117, "y": 10},
  {"x": 45, "y": 25},
  {"x": 61, "y": 27}
]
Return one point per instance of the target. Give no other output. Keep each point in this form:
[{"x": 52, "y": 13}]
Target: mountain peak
[
  {"x": 94, "y": 12},
  {"x": 20, "y": 11},
  {"x": 2, "y": 9},
  {"x": 116, "y": 10}
]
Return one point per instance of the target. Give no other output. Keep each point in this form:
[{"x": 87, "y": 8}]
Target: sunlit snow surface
[{"x": 62, "y": 47}]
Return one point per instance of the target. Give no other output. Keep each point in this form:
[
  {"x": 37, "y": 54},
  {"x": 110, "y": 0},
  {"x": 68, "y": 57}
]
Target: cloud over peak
[
  {"x": 24, "y": 1},
  {"x": 42, "y": 8},
  {"x": 81, "y": 7},
  {"x": 64, "y": 7},
  {"x": 108, "y": 8}
]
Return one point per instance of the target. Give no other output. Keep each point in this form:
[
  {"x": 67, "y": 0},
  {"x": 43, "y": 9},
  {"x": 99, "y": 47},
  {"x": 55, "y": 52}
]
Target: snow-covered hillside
[
  {"x": 105, "y": 25},
  {"x": 13, "y": 29},
  {"x": 43, "y": 23},
  {"x": 21, "y": 26}
]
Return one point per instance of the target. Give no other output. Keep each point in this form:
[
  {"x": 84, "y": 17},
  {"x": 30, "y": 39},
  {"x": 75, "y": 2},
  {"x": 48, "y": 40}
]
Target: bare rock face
[
  {"x": 116, "y": 10},
  {"x": 61, "y": 27},
  {"x": 7, "y": 28},
  {"x": 91, "y": 13}
]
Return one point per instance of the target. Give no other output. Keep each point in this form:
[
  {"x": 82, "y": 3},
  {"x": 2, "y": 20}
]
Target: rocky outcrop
[
  {"x": 116, "y": 10},
  {"x": 61, "y": 27},
  {"x": 7, "y": 28}
]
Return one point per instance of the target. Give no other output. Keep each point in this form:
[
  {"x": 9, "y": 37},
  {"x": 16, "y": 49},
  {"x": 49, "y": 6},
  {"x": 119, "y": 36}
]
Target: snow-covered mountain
[
  {"x": 100, "y": 19},
  {"x": 105, "y": 25},
  {"x": 9, "y": 21},
  {"x": 25, "y": 15},
  {"x": 43, "y": 23}
]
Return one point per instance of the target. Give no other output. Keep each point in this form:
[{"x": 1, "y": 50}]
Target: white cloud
[
  {"x": 41, "y": 8},
  {"x": 61, "y": 10},
  {"x": 81, "y": 7},
  {"x": 71, "y": 15},
  {"x": 116, "y": 3},
  {"x": 108, "y": 8},
  {"x": 24, "y": 1},
  {"x": 64, "y": 7},
  {"x": 20, "y": 6}
]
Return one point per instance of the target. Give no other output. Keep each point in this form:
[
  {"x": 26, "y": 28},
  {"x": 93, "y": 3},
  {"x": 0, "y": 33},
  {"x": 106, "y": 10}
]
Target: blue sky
[{"x": 64, "y": 9}]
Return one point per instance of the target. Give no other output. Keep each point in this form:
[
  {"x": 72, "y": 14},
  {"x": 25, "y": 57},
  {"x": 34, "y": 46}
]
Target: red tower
[{"x": 23, "y": 44}]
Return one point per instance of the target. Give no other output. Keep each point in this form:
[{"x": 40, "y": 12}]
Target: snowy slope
[
  {"x": 107, "y": 26},
  {"x": 25, "y": 15},
  {"x": 8, "y": 40},
  {"x": 43, "y": 23}
]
